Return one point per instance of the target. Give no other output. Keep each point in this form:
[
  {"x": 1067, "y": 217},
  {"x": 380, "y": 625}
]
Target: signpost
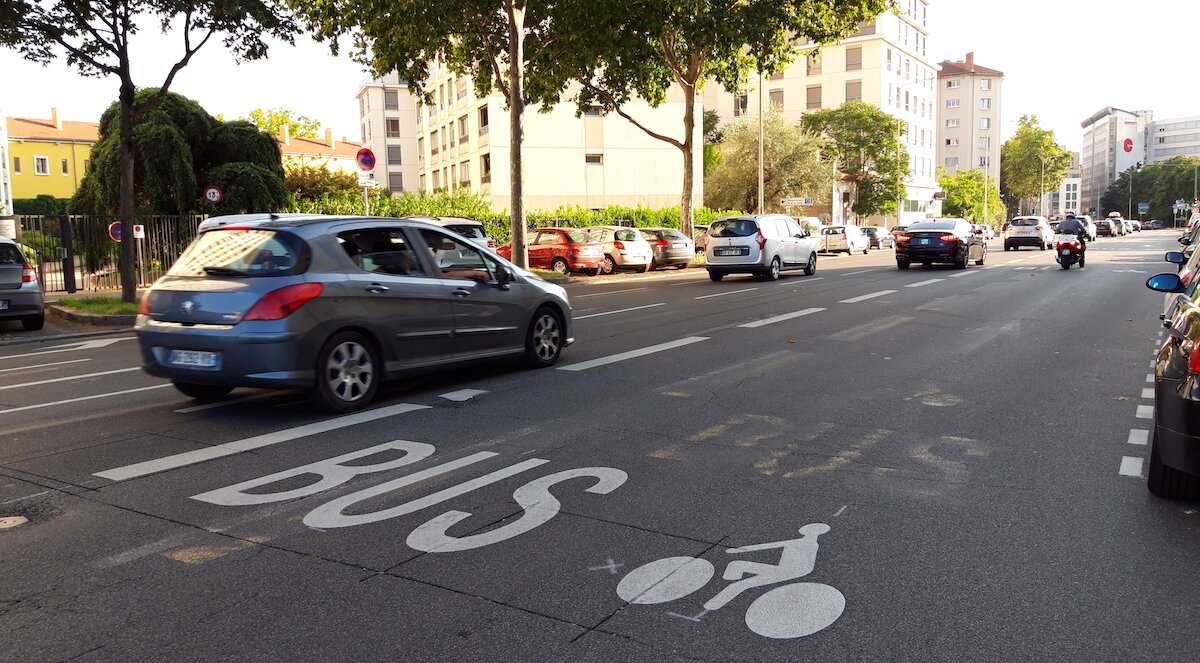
[
  {"x": 213, "y": 194},
  {"x": 796, "y": 200},
  {"x": 114, "y": 231},
  {"x": 366, "y": 163}
]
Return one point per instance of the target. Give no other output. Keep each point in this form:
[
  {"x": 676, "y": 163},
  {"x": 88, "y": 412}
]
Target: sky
[{"x": 1063, "y": 60}]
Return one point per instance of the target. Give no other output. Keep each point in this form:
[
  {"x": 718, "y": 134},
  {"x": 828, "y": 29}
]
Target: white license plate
[
  {"x": 193, "y": 358},
  {"x": 921, "y": 241},
  {"x": 1066, "y": 252},
  {"x": 730, "y": 252},
  {"x": 680, "y": 245},
  {"x": 3, "y": 304}
]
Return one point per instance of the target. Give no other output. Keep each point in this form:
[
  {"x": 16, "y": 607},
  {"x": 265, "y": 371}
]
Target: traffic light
[{"x": 1139, "y": 166}]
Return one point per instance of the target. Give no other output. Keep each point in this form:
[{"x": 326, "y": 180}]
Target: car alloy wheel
[
  {"x": 772, "y": 273},
  {"x": 559, "y": 265},
  {"x": 347, "y": 373},
  {"x": 610, "y": 265},
  {"x": 543, "y": 343},
  {"x": 811, "y": 267}
]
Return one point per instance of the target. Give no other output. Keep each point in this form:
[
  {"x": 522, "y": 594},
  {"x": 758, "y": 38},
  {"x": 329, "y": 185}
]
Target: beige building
[
  {"x": 388, "y": 113},
  {"x": 886, "y": 64},
  {"x": 593, "y": 161},
  {"x": 330, "y": 153},
  {"x": 969, "y": 103}
]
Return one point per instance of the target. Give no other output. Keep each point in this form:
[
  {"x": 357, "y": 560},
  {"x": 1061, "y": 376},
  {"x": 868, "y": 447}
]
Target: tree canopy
[
  {"x": 964, "y": 197},
  {"x": 1159, "y": 184},
  {"x": 863, "y": 144},
  {"x": 1032, "y": 162},
  {"x": 274, "y": 120}
]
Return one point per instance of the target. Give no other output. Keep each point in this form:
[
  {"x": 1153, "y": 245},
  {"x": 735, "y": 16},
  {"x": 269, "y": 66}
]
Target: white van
[{"x": 763, "y": 244}]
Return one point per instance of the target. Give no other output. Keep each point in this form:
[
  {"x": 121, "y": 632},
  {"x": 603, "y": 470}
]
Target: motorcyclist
[{"x": 1072, "y": 226}]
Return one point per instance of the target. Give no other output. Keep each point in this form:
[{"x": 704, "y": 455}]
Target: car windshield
[
  {"x": 1024, "y": 222},
  {"x": 577, "y": 237},
  {"x": 733, "y": 228},
  {"x": 467, "y": 230},
  {"x": 242, "y": 253},
  {"x": 931, "y": 225}
]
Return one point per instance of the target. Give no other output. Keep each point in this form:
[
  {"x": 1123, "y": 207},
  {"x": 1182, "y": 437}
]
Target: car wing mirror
[
  {"x": 1165, "y": 283},
  {"x": 1176, "y": 257},
  {"x": 504, "y": 276},
  {"x": 1185, "y": 240}
]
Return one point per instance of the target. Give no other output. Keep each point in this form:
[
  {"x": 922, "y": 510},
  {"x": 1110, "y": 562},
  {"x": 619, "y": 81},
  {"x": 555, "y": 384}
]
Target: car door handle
[
  {"x": 461, "y": 292},
  {"x": 376, "y": 287}
]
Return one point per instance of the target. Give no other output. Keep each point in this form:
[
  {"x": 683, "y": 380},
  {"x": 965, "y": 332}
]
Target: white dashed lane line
[
  {"x": 727, "y": 292},
  {"x": 863, "y": 298},
  {"x": 1145, "y": 412},
  {"x": 864, "y": 271},
  {"x": 1139, "y": 436},
  {"x": 1149, "y": 377},
  {"x": 612, "y": 359},
  {"x": 1148, "y": 392},
  {"x": 1131, "y": 466},
  {"x": 918, "y": 284},
  {"x": 72, "y": 377},
  {"x": 781, "y": 318},
  {"x": 601, "y": 294},
  {"x": 623, "y": 310}
]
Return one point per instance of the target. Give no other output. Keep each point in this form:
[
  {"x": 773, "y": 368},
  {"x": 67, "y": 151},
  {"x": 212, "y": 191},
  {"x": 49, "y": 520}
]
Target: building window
[
  {"x": 393, "y": 155},
  {"x": 597, "y": 159},
  {"x": 953, "y": 84},
  {"x": 814, "y": 97},
  {"x": 66, "y": 170},
  {"x": 464, "y": 174},
  {"x": 462, "y": 129},
  {"x": 951, "y": 142},
  {"x": 777, "y": 98},
  {"x": 433, "y": 142},
  {"x": 16, "y": 165},
  {"x": 952, "y": 123},
  {"x": 41, "y": 165},
  {"x": 985, "y": 103},
  {"x": 813, "y": 65},
  {"x": 485, "y": 168},
  {"x": 396, "y": 182},
  {"x": 853, "y": 90},
  {"x": 87, "y": 165},
  {"x": 777, "y": 76},
  {"x": 362, "y": 108},
  {"x": 854, "y": 58},
  {"x": 952, "y": 161},
  {"x": 422, "y": 183},
  {"x": 592, "y": 111},
  {"x": 483, "y": 120},
  {"x": 889, "y": 59},
  {"x": 437, "y": 180},
  {"x": 739, "y": 104},
  {"x": 907, "y": 101},
  {"x": 984, "y": 162},
  {"x": 391, "y": 100},
  {"x": 984, "y": 142},
  {"x": 952, "y": 103},
  {"x": 393, "y": 127},
  {"x": 985, "y": 84},
  {"x": 985, "y": 123}
]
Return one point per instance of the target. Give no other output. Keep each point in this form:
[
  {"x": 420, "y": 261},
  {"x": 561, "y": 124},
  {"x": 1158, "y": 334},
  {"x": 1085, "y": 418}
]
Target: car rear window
[
  {"x": 577, "y": 237},
  {"x": 467, "y": 230},
  {"x": 1024, "y": 222},
  {"x": 932, "y": 225},
  {"x": 242, "y": 253},
  {"x": 11, "y": 255},
  {"x": 733, "y": 228},
  {"x": 671, "y": 234},
  {"x": 627, "y": 235}
]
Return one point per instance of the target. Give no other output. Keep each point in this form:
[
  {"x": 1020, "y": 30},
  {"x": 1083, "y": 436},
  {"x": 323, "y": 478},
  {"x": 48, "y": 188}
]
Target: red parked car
[{"x": 562, "y": 250}]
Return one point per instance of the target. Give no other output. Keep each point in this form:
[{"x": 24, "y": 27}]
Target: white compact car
[
  {"x": 1028, "y": 231},
  {"x": 844, "y": 238},
  {"x": 763, "y": 245}
]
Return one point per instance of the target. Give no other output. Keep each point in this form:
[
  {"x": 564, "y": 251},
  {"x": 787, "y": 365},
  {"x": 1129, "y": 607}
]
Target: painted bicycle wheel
[
  {"x": 665, "y": 580},
  {"x": 794, "y": 611}
]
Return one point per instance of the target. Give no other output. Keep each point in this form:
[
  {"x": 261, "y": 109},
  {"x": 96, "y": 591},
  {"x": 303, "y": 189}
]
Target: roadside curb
[{"x": 80, "y": 317}]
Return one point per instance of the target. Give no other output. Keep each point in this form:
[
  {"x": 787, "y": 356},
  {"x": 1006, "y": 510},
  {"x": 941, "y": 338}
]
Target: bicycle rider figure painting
[{"x": 789, "y": 611}]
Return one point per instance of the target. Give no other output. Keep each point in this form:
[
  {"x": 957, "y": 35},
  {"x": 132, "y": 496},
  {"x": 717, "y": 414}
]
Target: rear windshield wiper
[{"x": 213, "y": 270}]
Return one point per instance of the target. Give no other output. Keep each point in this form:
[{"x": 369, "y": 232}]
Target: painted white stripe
[
  {"x": 69, "y": 378},
  {"x": 463, "y": 395},
  {"x": 722, "y": 294},
  {"x": 1148, "y": 392},
  {"x": 232, "y": 401},
  {"x": 781, "y": 318},
  {"x": 862, "y": 271},
  {"x": 1139, "y": 436},
  {"x": 85, "y": 345},
  {"x": 863, "y": 298},
  {"x": 256, "y": 442},
  {"x": 1145, "y": 412},
  {"x": 1050, "y": 267},
  {"x": 623, "y": 310},
  {"x": 1131, "y": 466},
  {"x": 806, "y": 280},
  {"x": 53, "y": 363},
  {"x": 612, "y": 359},
  {"x": 688, "y": 282},
  {"x": 611, "y": 292},
  {"x": 918, "y": 284},
  {"x": 967, "y": 272},
  {"x": 1149, "y": 377},
  {"x": 82, "y": 398}
]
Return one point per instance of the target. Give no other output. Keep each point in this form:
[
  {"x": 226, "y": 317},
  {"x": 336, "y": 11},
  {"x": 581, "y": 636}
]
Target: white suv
[
  {"x": 763, "y": 245},
  {"x": 844, "y": 238},
  {"x": 1028, "y": 231}
]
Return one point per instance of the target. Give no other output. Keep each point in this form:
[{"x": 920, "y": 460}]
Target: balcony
[
  {"x": 483, "y": 130},
  {"x": 486, "y": 179},
  {"x": 462, "y": 139}
]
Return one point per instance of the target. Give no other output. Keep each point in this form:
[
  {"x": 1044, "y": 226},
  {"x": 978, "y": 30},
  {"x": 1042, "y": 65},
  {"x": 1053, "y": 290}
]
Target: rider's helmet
[{"x": 1070, "y": 215}]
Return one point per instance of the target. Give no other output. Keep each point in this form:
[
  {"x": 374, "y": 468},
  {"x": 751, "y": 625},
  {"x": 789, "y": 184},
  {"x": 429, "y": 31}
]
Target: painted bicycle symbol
[{"x": 790, "y": 611}]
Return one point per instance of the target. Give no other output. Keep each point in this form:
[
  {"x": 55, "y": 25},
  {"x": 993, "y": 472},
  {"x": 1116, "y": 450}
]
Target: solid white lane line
[
  {"x": 53, "y": 363},
  {"x": 623, "y": 310},
  {"x": 232, "y": 401},
  {"x": 1139, "y": 436},
  {"x": 1148, "y": 392},
  {"x": 256, "y": 442},
  {"x": 611, "y": 292},
  {"x": 1131, "y": 466},
  {"x": 463, "y": 395},
  {"x": 69, "y": 378},
  {"x": 918, "y": 284},
  {"x": 722, "y": 294},
  {"x": 612, "y": 359},
  {"x": 1149, "y": 377},
  {"x": 863, "y": 298},
  {"x": 781, "y": 318},
  {"x": 82, "y": 398},
  {"x": 1145, "y": 412},
  {"x": 864, "y": 271}
]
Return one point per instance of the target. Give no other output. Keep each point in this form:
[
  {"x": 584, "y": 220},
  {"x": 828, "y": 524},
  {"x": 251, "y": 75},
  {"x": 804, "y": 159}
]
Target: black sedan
[
  {"x": 1175, "y": 445},
  {"x": 940, "y": 240}
]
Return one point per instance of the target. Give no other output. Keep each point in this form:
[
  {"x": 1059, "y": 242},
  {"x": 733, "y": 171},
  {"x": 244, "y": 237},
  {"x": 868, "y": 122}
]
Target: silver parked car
[
  {"x": 335, "y": 305},
  {"x": 671, "y": 248},
  {"x": 624, "y": 248},
  {"x": 20, "y": 291}
]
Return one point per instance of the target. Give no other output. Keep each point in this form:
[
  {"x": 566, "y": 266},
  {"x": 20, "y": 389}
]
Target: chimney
[
  {"x": 329, "y": 138},
  {"x": 55, "y": 119},
  {"x": 971, "y": 60},
  {"x": 285, "y": 136}
]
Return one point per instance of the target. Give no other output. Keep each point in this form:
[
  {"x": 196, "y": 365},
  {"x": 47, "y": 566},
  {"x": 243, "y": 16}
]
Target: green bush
[
  {"x": 42, "y": 244},
  {"x": 43, "y": 205}
]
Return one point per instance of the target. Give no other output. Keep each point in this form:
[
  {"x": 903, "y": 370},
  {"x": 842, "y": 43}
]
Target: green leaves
[
  {"x": 964, "y": 197},
  {"x": 1032, "y": 162},
  {"x": 863, "y": 144}
]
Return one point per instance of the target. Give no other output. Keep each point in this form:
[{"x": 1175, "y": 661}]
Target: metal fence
[{"x": 77, "y": 252}]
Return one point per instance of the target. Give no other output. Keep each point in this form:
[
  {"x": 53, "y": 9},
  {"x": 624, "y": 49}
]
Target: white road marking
[
  {"x": 918, "y": 284},
  {"x": 863, "y": 298},
  {"x": 1025, "y": 267},
  {"x": 232, "y": 401},
  {"x": 256, "y": 442},
  {"x": 1138, "y": 436},
  {"x": 85, "y": 345},
  {"x": 1149, "y": 377},
  {"x": 1145, "y": 412},
  {"x": 1050, "y": 267},
  {"x": 722, "y": 294},
  {"x": 53, "y": 363},
  {"x": 688, "y": 282},
  {"x": 780, "y": 318},
  {"x": 463, "y": 395},
  {"x": 82, "y": 398},
  {"x": 862, "y": 271},
  {"x": 807, "y": 280},
  {"x": 967, "y": 272},
  {"x": 71, "y": 377},
  {"x": 1148, "y": 392},
  {"x": 601, "y": 294},
  {"x": 612, "y": 359},
  {"x": 623, "y": 310},
  {"x": 1131, "y": 466}
]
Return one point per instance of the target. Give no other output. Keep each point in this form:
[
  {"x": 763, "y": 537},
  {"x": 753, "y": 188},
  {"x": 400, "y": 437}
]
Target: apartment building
[
  {"x": 48, "y": 157},
  {"x": 1172, "y": 138},
  {"x": 1113, "y": 141},
  {"x": 969, "y": 103},
  {"x": 1067, "y": 197},
  {"x": 388, "y": 113},
  {"x": 886, "y": 64},
  {"x": 463, "y": 141},
  {"x": 6, "y": 203}
]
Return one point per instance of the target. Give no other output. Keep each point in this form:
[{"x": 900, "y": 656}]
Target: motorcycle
[{"x": 1068, "y": 251}]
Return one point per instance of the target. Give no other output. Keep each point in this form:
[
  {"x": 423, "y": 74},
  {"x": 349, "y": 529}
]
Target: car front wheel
[
  {"x": 348, "y": 373},
  {"x": 715, "y": 276},
  {"x": 544, "y": 340},
  {"x": 1169, "y": 482},
  {"x": 811, "y": 267}
]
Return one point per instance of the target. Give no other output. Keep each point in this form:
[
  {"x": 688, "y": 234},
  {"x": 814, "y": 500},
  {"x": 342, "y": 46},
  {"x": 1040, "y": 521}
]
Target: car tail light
[
  {"x": 900, "y": 237},
  {"x": 144, "y": 305},
  {"x": 949, "y": 238},
  {"x": 661, "y": 242},
  {"x": 491, "y": 244},
  {"x": 28, "y": 275},
  {"x": 762, "y": 240},
  {"x": 281, "y": 303},
  {"x": 620, "y": 246},
  {"x": 1194, "y": 359}
]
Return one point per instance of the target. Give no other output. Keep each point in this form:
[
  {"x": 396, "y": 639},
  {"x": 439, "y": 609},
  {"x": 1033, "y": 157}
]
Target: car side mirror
[
  {"x": 504, "y": 276},
  {"x": 1165, "y": 283},
  {"x": 1175, "y": 257},
  {"x": 1185, "y": 240}
]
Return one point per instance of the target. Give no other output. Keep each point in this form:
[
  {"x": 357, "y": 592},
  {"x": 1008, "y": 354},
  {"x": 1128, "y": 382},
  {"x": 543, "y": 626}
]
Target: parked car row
[{"x": 605, "y": 249}]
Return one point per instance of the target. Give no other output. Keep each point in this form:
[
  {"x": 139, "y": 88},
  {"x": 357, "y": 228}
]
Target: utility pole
[{"x": 761, "y": 147}]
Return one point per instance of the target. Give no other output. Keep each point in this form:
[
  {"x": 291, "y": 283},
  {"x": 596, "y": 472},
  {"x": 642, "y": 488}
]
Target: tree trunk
[
  {"x": 689, "y": 161},
  {"x": 126, "y": 262},
  {"x": 516, "y": 110}
]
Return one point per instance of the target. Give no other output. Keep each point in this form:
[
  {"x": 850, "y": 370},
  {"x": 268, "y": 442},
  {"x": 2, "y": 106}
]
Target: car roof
[{"x": 295, "y": 220}]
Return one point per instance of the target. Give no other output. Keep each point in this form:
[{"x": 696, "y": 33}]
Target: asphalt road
[{"x": 962, "y": 445}]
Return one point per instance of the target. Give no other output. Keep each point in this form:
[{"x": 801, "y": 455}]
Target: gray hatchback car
[
  {"x": 20, "y": 291},
  {"x": 335, "y": 305}
]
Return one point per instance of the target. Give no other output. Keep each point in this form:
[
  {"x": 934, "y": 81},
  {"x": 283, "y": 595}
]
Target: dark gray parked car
[
  {"x": 20, "y": 290},
  {"x": 671, "y": 248},
  {"x": 334, "y": 305}
]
